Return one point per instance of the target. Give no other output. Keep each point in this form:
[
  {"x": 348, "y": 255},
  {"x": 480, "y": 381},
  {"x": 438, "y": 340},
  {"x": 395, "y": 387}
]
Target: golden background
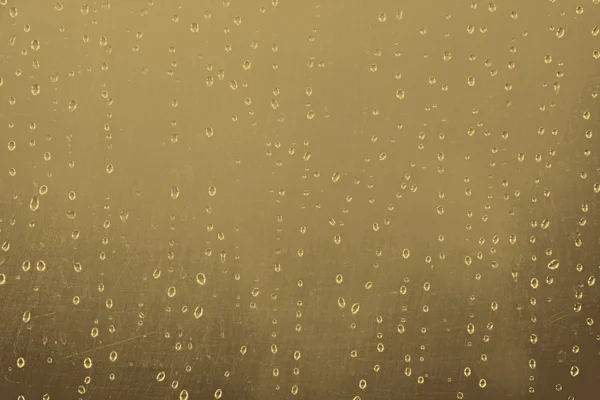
[{"x": 299, "y": 199}]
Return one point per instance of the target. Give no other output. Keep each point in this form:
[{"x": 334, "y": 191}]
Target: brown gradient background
[{"x": 506, "y": 159}]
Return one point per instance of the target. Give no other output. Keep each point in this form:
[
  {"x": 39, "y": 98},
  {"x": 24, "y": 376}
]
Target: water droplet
[
  {"x": 77, "y": 266},
  {"x": 574, "y": 370},
  {"x": 34, "y": 203},
  {"x": 405, "y": 253},
  {"x": 40, "y": 265},
  {"x": 470, "y": 328},
  {"x": 201, "y": 278},
  {"x": 554, "y": 264}
]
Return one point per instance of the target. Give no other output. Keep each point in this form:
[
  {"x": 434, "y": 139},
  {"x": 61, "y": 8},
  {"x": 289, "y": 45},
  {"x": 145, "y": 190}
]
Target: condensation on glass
[{"x": 299, "y": 199}]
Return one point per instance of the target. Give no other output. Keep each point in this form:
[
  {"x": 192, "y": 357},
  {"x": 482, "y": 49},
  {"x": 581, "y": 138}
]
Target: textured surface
[{"x": 299, "y": 199}]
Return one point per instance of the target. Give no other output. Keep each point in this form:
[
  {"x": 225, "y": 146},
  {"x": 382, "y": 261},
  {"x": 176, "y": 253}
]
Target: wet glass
[{"x": 299, "y": 199}]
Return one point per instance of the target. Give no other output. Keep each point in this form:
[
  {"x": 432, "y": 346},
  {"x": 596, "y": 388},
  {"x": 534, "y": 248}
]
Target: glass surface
[{"x": 284, "y": 199}]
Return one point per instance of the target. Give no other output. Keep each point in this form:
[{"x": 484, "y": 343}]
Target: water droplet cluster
[{"x": 299, "y": 199}]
